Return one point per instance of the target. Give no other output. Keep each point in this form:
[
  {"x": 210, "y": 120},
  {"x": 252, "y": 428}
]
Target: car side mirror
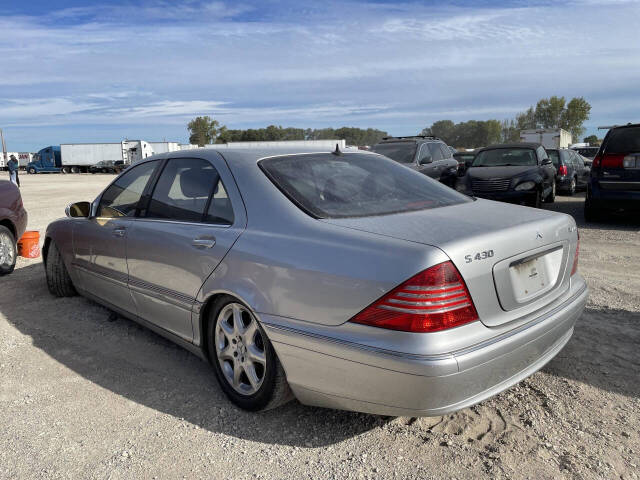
[
  {"x": 546, "y": 161},
  {"x": 425, "y": 160},
  {"x": 78, "y": 209}
]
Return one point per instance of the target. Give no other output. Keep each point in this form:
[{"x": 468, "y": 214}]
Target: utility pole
[{"x": 4, "y": 149}]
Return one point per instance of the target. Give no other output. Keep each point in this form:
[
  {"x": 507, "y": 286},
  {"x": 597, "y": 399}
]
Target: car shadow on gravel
[
  {"x": 603, "y": 352},
  {"x": 131, "y": 361},
  {"x": 574, "y": 206}
]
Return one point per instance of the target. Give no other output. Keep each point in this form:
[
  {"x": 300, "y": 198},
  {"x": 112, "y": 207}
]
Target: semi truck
[
  {"x": 78, "y": 157},
  {"x": 547, "y": 137}
]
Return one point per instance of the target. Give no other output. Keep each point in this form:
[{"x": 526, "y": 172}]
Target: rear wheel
[
  {"x": 75, "y": 170},
  {"x": 65, "y": 170},
  {"x": 572, "y": 187},
  {"x": 243, "y": 358},
  {"x": 8, "y": 251},
  {"x": 58, "y": 279},
  {"x": 591, "y": 212}
]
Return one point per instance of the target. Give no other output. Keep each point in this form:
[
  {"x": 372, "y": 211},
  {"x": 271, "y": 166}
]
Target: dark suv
[
  {"x": 518, "y": 173},
  {"x": 615, "y": 175},
  {"x": 428, "y": 155},
  {"x": 571, "y": 170}
]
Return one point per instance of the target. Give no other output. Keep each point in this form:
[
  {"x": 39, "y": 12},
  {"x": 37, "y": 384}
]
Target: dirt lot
[{"x": 87, "y": 395}]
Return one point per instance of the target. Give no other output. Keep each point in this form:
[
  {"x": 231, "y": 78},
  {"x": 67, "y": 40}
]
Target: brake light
[
  {"x": 574, "y": 269},
  {"x": 433, "y": 300},
  {"x": 612, "y": 160},
  {"x": 596, "y": 160},
  {"x": 562, "y": 170}
]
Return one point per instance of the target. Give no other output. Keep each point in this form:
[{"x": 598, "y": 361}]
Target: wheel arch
[{"x": 12, "y": 228}]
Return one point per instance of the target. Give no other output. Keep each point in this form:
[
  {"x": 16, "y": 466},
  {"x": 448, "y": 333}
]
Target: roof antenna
[{"x": 337, "y": 150}]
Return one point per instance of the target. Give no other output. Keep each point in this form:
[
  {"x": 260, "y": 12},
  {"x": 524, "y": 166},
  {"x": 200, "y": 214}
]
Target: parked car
[
  {"x": 346, "y": 280},
  {"x": 464, "y": 159},
  {"x": 428, "y": 155},
  {"x": 615, "y": 174},
  {"x": 519, "y": 172},
  {"x": 588, "y": 152},
  {"x": 13, "y": 223},
  {"x": 107, "y": 166},
  {"x": 571, "y": 172}
]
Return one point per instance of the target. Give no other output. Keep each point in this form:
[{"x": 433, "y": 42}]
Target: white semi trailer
[{"x": 547, "y": 137}]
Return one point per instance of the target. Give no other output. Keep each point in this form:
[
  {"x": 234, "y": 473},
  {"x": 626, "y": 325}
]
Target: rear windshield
[
  {"x": 623, "y": 140},
  {"x": 466, "y": 157},
  {"x": 554, "y": 156},
  {"x": 355, "y": 185},
  {"x": 402, "y": 152},
  {"x": 587, "y": 151},
  {"x": 506, "y": 157}
]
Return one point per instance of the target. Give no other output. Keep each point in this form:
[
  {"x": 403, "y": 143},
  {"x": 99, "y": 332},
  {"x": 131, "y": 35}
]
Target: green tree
[
  {"x": 444, "y": 129},
  {"x": 203, "y": 130},
  {"x": 526, "y": 120},
  {"x": 592, "y": 140},
  {"x": 574, "y": 116},
  {"x": 550, "y": 111}
]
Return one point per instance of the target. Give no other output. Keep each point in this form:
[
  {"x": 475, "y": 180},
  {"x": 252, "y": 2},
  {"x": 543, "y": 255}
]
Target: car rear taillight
[
  {"x": 433, "y": 300},
  {"x": 574, "y": 269},
  {"x": 611, "y": 160},
  {"x": 562, "y": 170}
]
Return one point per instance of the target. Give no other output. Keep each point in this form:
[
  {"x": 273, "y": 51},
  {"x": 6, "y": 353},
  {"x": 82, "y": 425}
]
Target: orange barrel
[{"x": 29, "y": 245}]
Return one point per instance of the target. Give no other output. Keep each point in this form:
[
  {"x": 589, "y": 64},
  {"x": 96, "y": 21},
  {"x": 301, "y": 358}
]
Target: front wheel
[
  {"x": 243, "y": 358},
  {"x": 58, "y": 279},
  {"x": 8, "y": 251},
  {"x": 536, "y": 202},
  {"x": 552, "y": 195},
  {"x": 31, "y": 171}
]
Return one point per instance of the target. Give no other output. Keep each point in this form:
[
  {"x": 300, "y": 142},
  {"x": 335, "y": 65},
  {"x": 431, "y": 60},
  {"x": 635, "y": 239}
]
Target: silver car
[{"x": 343, "y": 279}]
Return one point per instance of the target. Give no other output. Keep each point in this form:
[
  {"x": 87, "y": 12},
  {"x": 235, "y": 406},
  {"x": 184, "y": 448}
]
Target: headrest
[{"x": 196, "y": 182}]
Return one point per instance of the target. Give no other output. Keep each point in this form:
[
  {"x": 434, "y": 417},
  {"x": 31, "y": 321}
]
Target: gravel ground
[{"x": 85, "y": 394}]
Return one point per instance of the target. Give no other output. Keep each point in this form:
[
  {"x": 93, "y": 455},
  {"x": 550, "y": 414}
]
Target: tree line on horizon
[{"x": 552, "y": 112}]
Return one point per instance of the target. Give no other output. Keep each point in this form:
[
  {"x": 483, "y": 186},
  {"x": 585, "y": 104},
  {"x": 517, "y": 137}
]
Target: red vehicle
[{"x": 13, "y": 222}]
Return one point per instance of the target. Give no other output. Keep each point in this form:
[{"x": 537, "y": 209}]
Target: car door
[
  {"x": 428, "y": 159},
  {"x": 449, "y": 169},
  {"x": 547, "y": 169},
  {"x": 99, "y": 242},
  {"x": 193, "y": 217},
  {"x": 581, "y": 171}
]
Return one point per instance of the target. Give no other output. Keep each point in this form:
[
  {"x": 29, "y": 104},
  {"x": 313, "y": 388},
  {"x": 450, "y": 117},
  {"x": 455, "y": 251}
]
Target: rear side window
[
  {"x": 623, "y": 140},
  {"x": 183, "y": 190},
  {"x": 555, "y": 157},
  {"x": 446, "y": 153},
  {"x": 122, "y": 197},
  {"x": 436, "y": 152},
  {"x": 355, "y": 185}
]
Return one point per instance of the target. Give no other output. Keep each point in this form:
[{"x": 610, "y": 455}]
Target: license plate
[{"x": 531, "y": 277}]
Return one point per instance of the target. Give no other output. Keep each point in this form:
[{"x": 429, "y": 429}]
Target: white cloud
[{"x": 392, "y": 66}]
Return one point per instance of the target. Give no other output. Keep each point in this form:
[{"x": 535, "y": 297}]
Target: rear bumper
[
  {"x": 335, "y": 374},
  {"x": 563, "y": 183},
  {"x": 615, "y": 194}
]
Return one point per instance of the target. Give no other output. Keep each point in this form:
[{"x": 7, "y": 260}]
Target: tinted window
[
  {"x": 436, "y": 152},
  {"x": 122, "y": 197},
  {"x": 220, "y": 210},
  {"x": 577, "y": 160},
  {"x": 555, "y": 157},
  {"x": 183, "y": 190},
  {"x": 623, "y": 140},
  {"x": 446, "y": 153},
  {"x": 403, "y": 152},
  {"x": 329, "y": 186},
  {"x": 504, "y": 157}
]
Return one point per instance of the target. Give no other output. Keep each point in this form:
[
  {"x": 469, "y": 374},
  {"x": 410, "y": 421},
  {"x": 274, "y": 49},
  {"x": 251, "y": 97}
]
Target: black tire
[
  {"x": 75, "y": 170},
  {"x": 65, "y": 170},
  {"x": 58, "y": 279},
  {"x": 552, "y": 195},
  {"x": 536, "y": 202},
  {"x": 31, "y": 171},
  {"x": 572, "y": 187},
  {"x": 9, "y": 249},
  {"x": 274, "y": 390},
  {"x": 591, "y": 213}
]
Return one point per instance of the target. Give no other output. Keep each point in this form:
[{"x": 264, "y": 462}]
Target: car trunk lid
[{"x": 514, "y": 261}]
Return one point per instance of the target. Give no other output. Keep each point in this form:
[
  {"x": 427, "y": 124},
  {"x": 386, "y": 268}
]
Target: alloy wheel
[
  {"x": 7, "y": 250},
  {"x": 240, "y": 349}
]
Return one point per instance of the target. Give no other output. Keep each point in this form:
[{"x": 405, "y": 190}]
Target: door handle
[
  {"x": 203, "y": 242},
  {"x": 119, "y": 232}
]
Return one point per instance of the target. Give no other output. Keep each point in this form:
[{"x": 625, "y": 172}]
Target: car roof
[
  {"x": 628, "y": 125},
  {"x": 410, "y": 139},
  {"x": 249, "y": 155},
  {"x": 531, "y": 146}
]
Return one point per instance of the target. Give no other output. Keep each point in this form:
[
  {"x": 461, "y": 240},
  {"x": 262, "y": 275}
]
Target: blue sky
[{"x": 78, "y": 71}]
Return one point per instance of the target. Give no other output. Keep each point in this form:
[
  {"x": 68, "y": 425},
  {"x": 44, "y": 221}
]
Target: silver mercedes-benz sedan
[{"x": 343, "y": 279}]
